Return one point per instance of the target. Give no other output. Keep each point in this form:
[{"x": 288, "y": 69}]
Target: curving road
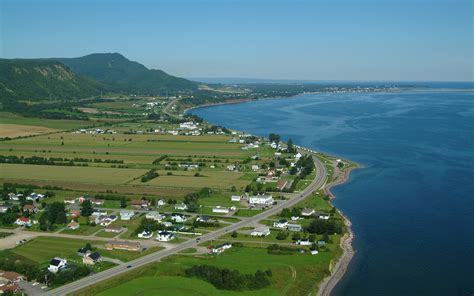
[{"x": 316, "y": 184}]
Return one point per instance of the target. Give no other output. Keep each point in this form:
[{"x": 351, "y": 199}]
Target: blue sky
[{"x": 316, "y": 40}]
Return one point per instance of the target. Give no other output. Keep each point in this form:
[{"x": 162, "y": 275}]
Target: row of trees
[
  {"x": 54, "y": 213},
  {"x": 226, "y": 279}
]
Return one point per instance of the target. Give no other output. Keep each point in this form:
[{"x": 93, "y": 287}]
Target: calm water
[{"x": 412, "y": 205}]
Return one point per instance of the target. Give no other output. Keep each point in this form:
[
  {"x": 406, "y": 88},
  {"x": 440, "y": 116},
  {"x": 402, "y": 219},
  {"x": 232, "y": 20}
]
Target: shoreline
[{"x": 339, "y": 269}]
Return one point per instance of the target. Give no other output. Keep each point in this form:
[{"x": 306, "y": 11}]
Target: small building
[
  {"x": 92, "y": 258},
  {"x": 11, "y": 276},
  {"x": 281, "y": 184},
  {"x": 164, "y": 236},
  {"x": 126, "y": 214},
  {"x": 255, "y": 167},
  {"x": 220, "y": 248},
  {"x": 298, "y": 156},
  {"x": 283, "y": 223},
  {"x": 235, "y": 198},
  {"x": 179, "y": 218},
  {"x": 205, "y": 219},
  {"x": 123, "y": 245},
  {"x": 321, "y": 242},
  {"x": 35, "y": 196},
  {"x": 83, "y": 252},
  {"x": 295, "y": 227},
  {"x": 307, "y": 212},
  {"x": 145, "y": 234},
  {"x": 14, "y": 196},
  {"x": 231, "y": 167},
  {"x": 160, "y": 203},
  {"x": 154, "y": 216},
  {"x": 324, "y": 216},
  {"x": 181, "y": 206},
  {"x": 260, "y": 231},
  {"x": 303, "y": 242},
  {"x": 30, "y": 209},
  {"x": 140, "y": 203},
  {"x": 75, "y": 213},
  {"x": 57, "y": 264},
  {"x": 295, "y": 218},
  {"x": 221, "y": 210},
  {"x": 114, "y": 229},
  {"x": 97, "y": 202},
  {"x": 73, "y": 225},
  {"x": 70, "y": 201},
  {"x": 264, "y": 199},
  {"x": 4, "y": 208},
  {"x": 314, "y": 252},
  {"x": 23, "y": 221}
]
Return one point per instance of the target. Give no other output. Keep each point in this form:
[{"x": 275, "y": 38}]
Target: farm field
[
  {"x": 10, "y": 118},
  {"x": 69, "y": 173},
  {"x": 18, "y": 130}
]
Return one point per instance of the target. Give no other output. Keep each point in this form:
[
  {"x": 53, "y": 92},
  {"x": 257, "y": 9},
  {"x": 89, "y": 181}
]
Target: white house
[
  {"x": 263, "y": 199},
  {"x": 35, "y": 196},
  {"x": 57, "y": 264},
  {"x": 166, "y": 224},
  {"x": 181, "y": 206},
  {"x": 179, "y": 218},
  {"x": 231, "y": 167},
  {"x": 255, "y": 167},
  {"x": 283, "y": 223},
  {"x": 220, "y": 248},
  {"x": 154, "y": 216},
  {"x": 164, "y": 236},
  {"x": 161, "y": 203},
  {"x": 205, "y": 219},
  {"x": 235, "y": 198},
  {"x": 73, "y": 225},
  {"x": 314, "y": 252},
  {"x": 260, "y": 231},
  {"x": 303, "y": 242},
  {"x": 295, "y": 218},
  {"x": 126, "y": 214},
  {"x": 219, "y": 209},
  {"x": 324, "y": 216},
  {"x": 145, "y": 234},
  {"x": 14, "y": 196},
  {"x": 307, "y": 212},
  {"x": 298, "y": 156}
]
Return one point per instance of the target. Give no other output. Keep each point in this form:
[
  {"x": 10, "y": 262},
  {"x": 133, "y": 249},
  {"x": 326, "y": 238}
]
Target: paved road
[{"x": 317, "y": 183}]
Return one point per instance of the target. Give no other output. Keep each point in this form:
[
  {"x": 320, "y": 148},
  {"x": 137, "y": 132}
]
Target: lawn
[
  {"x": 42, "y": 249},
  {"x": 125, "y": 255}
]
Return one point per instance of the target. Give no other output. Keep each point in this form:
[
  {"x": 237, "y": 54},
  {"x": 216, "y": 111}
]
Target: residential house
[
  {"x": 219, "y": 209},
  {"x": 145, "y": 234},
  {"x": 166, "y": 224},
  {"x": 83, "y": 252},
  {"x": 70, "y": 201},
  {"x": 235, "y": 198},
  {"x": 295, "y": 227},
  {"x": 75, "y": 213},
  {"x": 4, "y": 208},
  {"x": 123, "y": 245},
  {"x": 314, "y": 252},
  {"x": 92, "y": 258},
  {"x": 142, "y": 203},
  {"x": 14, "y": 196},
  {"x": 164, "y": 236},
  {"x": 160, "y": 203},
  {"x": 181, "y": 206},
  {"x": 324, "y": 216},
  {"x": 205, "y": 219},
  {"x": 260, "y": 231},
  {"x": 23, "y": 221},
  {"x": 264, "y": 199},
  {"x": 283, "y": 223},
  {"x": 295, "y": 218},
  {"x": 321, "y": 242},
  {"x": 303, "y": 242},
  {"x": 126, "y": 214},
  {"x": 220, "y": 248},
  {"x": 297, "y": 156},
  {"x": 154, "y": 216},
  {"x": 179, "y": 218},
  {"x": 11, "y": 276},
  {"x": 81, "y": 199},
  {"x": 97, "y": 202},
  {"x": 30, "y": 208},
  {"x": 73, "y": 225},
  {"x": 255, "y": 167},
  {"x": 307, "y": 212},
  {"x": 231, "y": 167},
  {"x": 57, "y": 264},
  {"x": 35, "y": 196}
]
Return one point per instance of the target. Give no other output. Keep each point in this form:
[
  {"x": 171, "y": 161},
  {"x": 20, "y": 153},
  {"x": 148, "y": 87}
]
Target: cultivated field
[{"x": 18, "y": 130}]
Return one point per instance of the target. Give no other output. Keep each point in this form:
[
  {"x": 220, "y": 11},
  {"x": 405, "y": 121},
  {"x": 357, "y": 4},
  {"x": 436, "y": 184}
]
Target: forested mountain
[
  {"x": 30, "y": 79},
  {"x": 121, "y": 74}
]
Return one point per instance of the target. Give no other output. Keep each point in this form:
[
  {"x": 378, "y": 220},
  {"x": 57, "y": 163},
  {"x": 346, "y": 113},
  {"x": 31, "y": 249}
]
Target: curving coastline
[{"x": 338, "y": 269}]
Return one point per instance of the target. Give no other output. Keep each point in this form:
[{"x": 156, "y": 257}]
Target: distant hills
[
  {"x": 70, "y": 78},
  {"x": 121, "y": 74}
]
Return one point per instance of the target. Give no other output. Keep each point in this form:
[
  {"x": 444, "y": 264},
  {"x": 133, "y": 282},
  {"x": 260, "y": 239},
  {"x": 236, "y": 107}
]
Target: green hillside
[
  {"x": 30, "y": 79},
  {"x": 124, "y": 75}
]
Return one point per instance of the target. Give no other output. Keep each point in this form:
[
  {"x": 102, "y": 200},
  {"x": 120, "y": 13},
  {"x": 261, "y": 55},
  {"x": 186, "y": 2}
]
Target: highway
[{"x": 317, "y": 183}]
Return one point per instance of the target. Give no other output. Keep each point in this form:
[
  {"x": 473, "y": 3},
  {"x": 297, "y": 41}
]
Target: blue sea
[{"x": 412, "y": 205}]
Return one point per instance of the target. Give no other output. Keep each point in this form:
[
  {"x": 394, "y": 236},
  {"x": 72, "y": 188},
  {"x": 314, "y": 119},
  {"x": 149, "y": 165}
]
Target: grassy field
[
  {"x": 296, "y": 274},
  {"x": 10, "y": 118},
  {"x": 67, "y": 173},
  {"x": 42, "y": 249}
]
